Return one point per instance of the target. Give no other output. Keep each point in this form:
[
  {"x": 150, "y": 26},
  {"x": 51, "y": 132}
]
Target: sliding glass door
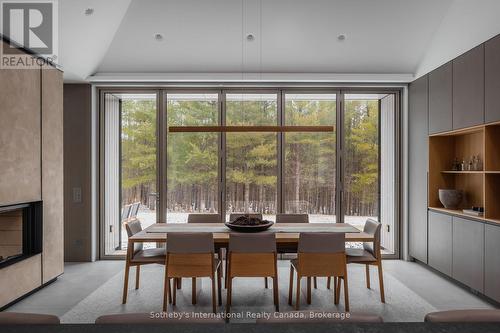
[{"x": 326, "y": 153}]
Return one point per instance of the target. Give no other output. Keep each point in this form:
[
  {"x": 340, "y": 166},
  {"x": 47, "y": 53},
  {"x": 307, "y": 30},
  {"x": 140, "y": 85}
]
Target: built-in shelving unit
[{"x": 481, "y": 187}]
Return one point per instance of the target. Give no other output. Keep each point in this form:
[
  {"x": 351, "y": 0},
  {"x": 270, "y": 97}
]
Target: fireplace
[{"x": 20, "y": 232}]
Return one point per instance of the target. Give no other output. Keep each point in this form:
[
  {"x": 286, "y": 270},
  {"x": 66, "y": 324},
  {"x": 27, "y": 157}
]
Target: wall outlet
[{"x": 77, "y": 195}]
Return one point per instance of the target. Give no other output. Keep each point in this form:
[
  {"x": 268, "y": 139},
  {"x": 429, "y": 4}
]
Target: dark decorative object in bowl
[
  {"x": 249, "y": 224},
  {"x": 451, "y": 199}
]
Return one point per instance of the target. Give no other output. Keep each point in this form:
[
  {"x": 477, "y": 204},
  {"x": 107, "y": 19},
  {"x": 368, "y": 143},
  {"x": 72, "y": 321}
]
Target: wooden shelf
[
  {"x": 463, "y": 172},
  {"x": 459, "y": 213}
]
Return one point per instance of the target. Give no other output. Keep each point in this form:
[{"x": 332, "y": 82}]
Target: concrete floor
[{"x": 87, "y": 290}]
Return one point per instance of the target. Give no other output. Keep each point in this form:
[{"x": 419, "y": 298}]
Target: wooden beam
[{"x": 219, "y": 129}]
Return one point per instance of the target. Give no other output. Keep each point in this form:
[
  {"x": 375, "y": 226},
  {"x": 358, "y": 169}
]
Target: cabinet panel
[
  {"x": 492, "y": 262},
  {"x": 418, "y": 157},
  {"x": 468, "y": 252},
  {"x": 440, "y": 242},
  {"x": 468, "y": 88},
  {"x": 492, "y": 80},
  {"x": 440, "y": 99}
]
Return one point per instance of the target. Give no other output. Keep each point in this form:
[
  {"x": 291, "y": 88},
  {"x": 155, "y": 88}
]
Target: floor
[{"x": 87, "y": 290}]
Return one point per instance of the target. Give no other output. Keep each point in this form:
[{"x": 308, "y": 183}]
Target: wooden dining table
[{"x": 286, "y": 233}]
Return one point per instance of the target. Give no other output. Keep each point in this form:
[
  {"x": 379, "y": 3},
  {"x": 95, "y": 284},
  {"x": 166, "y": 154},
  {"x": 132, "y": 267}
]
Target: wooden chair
[
  {"x": 137, "y": 256},
  {"x": 323, "y": 255},
  {"x": 153, "y": 319},
  {"x": 370, "y": 254},
  {"x": 464, "y": 316},
  {"x": 209, "y": 218},
  {"x": 18, "y": 318},
  {"x": 316, "y": 317},
  {"x": 252, "y": 255},
  {"x": 191, "y": 255}
]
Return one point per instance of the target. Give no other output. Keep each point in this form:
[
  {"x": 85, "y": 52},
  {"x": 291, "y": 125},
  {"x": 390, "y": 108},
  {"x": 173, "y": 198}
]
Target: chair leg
[
  {"x": 166, "y": 290},
  {"x": 276, "y": 294},
  {"x": 226, "y": 278},
  {"x": 178, "y": 283},
  {"x": 214, "y": 301},
  {"x": 381, "y": 282},
  {"x": 219, "y": 287},
  {"x": 328, "y": 282},
  {"x": 265, "y": 283},
  {"x": 137, "y": 275},
  {"x": 346, "y": 294},
  {"x": 337, "y": 288},
  {"x": 193, "y": 292},
  {"x": 315, "y": 282},
  {"x": 125, "y": 283},
  {"x": 290, "y": 287},
  {"x": 174, "y": 291},
  {"x": 229, "y": 295},
  {"x": 367, "y": 268},
  {"x": 297, "y": 297},
  {"x": 308, "y": 290}
]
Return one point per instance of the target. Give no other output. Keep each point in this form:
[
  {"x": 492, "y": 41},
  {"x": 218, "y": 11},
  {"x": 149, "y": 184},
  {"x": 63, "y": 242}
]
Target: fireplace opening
[{"x": 20, "y": 232}]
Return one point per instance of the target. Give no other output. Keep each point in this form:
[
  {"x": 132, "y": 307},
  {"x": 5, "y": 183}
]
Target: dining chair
[
  {"x": 252, "y": 255},
  {"x": 19, "y": 318},
  {"x": 370, "y": 254},
  {"x": 311, "y": 317},
  {"x": 320, "y": 255},
  {"x": 210, "y": 218},
  {"x": 138, "y": 256},
  {"x": 154, "y": 319},
  {"x": 191, "y": 255},
  {"x": 464, "y": 316},
  {"x": 234, "y": 216}
]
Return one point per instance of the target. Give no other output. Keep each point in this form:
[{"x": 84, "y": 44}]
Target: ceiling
[{"x": 209, "y": 37}]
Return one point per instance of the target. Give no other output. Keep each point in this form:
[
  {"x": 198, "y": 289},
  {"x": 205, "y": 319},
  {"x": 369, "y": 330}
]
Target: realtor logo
[{"x": 31, "y": 25}]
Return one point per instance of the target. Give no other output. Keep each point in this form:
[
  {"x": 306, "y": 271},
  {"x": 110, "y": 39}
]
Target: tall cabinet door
[
  {"x": 468, "y": 88},
  {"x": 440, "y": 242},
  {"x": 492, "y": 261},
  {"x": 468, "y": 252},
  {"x": 492, "y": 80},
  {"x": 418, "y": 165},
  {"x": 440, "y": 99}
]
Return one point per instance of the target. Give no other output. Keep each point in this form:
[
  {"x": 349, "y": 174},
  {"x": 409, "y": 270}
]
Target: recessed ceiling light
[
  {"x": 89, "y": 11},
  {"x": 250, "y": 37},
  {"x": 341, "y": 37},
  {"x": 158, "y": 36}
]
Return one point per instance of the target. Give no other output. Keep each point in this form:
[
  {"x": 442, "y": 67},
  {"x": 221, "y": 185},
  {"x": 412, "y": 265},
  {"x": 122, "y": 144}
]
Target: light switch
[{"x": 77, "y": 194}]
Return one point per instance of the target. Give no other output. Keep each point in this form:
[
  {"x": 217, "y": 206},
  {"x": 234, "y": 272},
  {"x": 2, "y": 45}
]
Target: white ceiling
[{"x": 206, "y": 38}]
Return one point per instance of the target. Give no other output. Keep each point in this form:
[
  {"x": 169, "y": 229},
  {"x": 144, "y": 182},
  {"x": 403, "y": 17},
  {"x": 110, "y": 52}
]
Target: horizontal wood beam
[{"x": 273, "y": 129}]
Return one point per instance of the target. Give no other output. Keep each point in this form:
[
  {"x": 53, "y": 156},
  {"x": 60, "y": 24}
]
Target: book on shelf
[{"x": 472, "y": 212}]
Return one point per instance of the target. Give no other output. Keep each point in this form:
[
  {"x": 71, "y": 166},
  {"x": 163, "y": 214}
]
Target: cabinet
[
  {"x": 440, "y": 99},
  {"x": 492, "y": 80},
  {"x": 468, "y": 89},
  {"x": 468, "y": 252},
  {"x": 440, "y": 242},
  {"x": 492, "y": 261},
  {"x": 418, "y": 154}
]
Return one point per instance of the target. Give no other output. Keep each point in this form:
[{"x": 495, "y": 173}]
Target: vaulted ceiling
[{"x": 208, "y": 38}]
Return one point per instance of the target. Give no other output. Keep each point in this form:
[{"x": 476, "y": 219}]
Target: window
[
  {"x": 192, "y": 157},
  {"x": 309, "y": 157},
  {"x": 251, "y": 157}
]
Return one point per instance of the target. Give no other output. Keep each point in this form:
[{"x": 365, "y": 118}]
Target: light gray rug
[{"x": 249, "y": 295}]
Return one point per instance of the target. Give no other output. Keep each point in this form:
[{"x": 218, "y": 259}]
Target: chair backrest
[
  {"x": 133, "y": 227},
  {"x": 234, "y": 216},
  {"x": 18, "y": 318},
  {"x": 125, "y": 212},
  {"x": 373, "y": 228},
  {"x": 160, "y": 318},
  {"x": 203, "y": 218},
  {"x": 321, "y": 242},
  {"x": 322, "y": 254},
  {"x": 190, "y": 242},
  {"x": 292, "y": 218},
  {"x": 308, "y": 316},
  {"x": 464, "y": 316},
  {"x": 252, "y": 243},
  {"x": 134, "y": 210}
]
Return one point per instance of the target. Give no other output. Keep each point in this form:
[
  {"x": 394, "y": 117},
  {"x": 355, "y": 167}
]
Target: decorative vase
[{"x": 451, "y": 199}]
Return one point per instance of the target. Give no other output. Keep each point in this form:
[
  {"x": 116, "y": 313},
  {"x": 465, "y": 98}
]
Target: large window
[
  {"x": 310, "y": 159},
  {"x": 192, "y": 157},
  {"x": 251, "y": 157},
  {"x": 326, "y": 153}
]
